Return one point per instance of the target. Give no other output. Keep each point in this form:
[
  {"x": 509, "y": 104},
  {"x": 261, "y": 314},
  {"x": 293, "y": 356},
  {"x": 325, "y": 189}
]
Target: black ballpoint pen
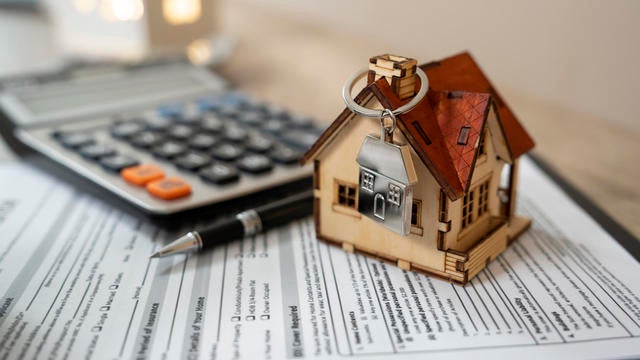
[{"x": 246, "y": 223}]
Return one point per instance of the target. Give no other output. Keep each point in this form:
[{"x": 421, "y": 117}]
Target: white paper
[{"x": 76, "y": 282}]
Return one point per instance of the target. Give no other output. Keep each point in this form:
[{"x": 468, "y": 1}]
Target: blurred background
[{"x": 568, "y": 69}]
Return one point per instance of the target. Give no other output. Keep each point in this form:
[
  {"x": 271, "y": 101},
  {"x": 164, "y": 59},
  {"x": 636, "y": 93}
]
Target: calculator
[{"x": 166, "y": 137}]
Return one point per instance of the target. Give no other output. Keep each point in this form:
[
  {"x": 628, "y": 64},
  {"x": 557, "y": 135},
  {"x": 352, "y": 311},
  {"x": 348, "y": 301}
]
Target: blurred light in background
[
  {"x": 122, "y": 10},
  {"x": 178, "y": 12},
  {"x": 131, "y": 29},
  {"x": 200, "y": 51},
  {"x": 85, "y": 6}
]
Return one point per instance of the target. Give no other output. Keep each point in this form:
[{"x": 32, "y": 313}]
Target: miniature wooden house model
[{"x": 438, "y": 194}]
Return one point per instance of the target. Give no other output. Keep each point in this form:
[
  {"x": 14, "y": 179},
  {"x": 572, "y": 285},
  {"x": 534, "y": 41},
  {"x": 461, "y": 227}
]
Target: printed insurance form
[{"x": 76, "y": 282}]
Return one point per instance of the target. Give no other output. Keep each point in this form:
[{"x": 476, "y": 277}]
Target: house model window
[
  {"x": 481, "y": 148},
  {"x": 467, "y": 209},
  {"x": 483, "y": 198},
  {"x": 346, "y": 194},
  {"x": 480, "y": 206},
  {"x": 416, "y": 213}
]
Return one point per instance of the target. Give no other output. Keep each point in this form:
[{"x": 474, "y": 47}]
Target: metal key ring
[{"x": 363, "y": 111}]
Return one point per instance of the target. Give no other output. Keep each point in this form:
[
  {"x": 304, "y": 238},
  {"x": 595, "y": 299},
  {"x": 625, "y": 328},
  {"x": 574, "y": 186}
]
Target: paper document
[{"x": 76, "y": 281}]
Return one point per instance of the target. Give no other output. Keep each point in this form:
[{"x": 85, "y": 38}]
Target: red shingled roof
[
  {"x": 460, "y": 72},
  {"x": 433, "y": 127}
]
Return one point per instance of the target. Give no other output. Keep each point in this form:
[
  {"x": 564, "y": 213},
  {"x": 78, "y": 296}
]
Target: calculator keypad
[{"x": 216, "y": 141}]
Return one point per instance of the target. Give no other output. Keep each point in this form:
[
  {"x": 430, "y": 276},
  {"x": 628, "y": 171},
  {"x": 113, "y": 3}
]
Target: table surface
[{"x": 303, "y": 67}]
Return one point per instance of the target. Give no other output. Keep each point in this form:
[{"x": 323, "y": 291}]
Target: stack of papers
[{"x": 76, "y": 282}]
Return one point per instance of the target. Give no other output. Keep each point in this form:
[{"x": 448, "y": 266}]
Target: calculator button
[
  {"x": 96, "y": 151},
  {"x": 251, "y": 118},
  {"x": 235, "y": 133},
  {"x": 169, "y": 188},
  {"x": 255, "y": 164},
  {"x": 228, "y": 111},
  {"x": 211, "y": 123},
  {"x": 169, "y": 150},
  {"x": 57, "y": 134},
  {"x": 277, "y": 112},
  {"x": 216, "y": 102},
  {"x": 180, "y": 132},
  {"x": 147, "y": 139},
  {"x": 273, "y": 126},
  {"x": 189, "y": 119},
  {"x": 171, "y": 111},
  {"x": 219, "y": 174},
  {"x": 192, "y": 161},
  {"x": 142, "y": 174},
  {"x": 227, "y": 152},
  {"x": 75, "y": 140},
  {"x": 235, "y": 98},
  {"x": 299, "y": 139},
  {"x": 285, "y": 155},
  {"x": 253, "y": 104},
  {"x": 117, "y": 162},
  {"x": 203, "y": 141},
  {"x": 301, "y": 121},
  {"x": 157, "y": 123},
  {"x": 126, "y": 129},
  {"x": 258, "y": 143},
  {"x": 209, "y": 104}
]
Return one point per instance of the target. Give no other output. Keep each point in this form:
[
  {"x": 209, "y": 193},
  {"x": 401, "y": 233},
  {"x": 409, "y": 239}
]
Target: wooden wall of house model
[{"x": 452, "y": 149}]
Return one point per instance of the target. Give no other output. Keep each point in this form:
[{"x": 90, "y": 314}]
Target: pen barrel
[
  {"x": 221, "y": 232},
  {"x": 262, "y": 218},
  {"x": 285, "y": 215}
]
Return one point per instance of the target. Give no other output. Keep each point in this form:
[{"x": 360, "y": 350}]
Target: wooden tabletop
[{"x": 303, "y": 67}]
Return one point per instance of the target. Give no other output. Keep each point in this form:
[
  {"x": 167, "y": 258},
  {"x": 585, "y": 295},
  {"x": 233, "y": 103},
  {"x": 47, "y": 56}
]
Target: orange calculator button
[
  {"x": 142, "y": 174},
  {"x": 169, "y": 188}
]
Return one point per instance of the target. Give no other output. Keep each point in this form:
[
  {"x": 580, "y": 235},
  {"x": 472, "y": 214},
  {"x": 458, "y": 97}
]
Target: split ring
[{"x": 372, "y": 113}]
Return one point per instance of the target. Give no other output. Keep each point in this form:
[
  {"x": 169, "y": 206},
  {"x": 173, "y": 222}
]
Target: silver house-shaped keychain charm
[{"x": 387, "y": 177}]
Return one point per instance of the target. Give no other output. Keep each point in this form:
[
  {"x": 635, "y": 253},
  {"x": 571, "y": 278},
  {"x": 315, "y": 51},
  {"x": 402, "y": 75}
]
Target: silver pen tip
[{"x": 188, "y": 242}]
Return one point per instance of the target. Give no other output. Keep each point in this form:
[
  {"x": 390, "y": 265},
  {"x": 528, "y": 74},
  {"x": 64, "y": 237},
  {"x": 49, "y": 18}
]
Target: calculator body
[{"x": 181, "y": 119}]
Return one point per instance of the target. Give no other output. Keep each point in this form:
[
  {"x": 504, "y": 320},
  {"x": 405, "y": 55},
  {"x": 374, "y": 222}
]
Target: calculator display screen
[{"x": 107, "y": 94}]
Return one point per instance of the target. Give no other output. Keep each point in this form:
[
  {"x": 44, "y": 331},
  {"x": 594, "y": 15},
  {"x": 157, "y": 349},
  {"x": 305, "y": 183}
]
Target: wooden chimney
[{"x": 399, "y": 72}]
